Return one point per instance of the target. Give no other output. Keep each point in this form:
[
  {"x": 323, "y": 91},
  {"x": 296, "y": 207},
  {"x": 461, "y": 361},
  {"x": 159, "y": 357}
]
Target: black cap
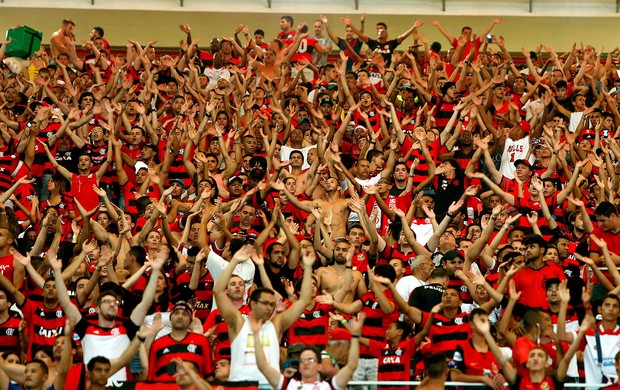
[
  {"x": 550, "y": 282},
  {"x": 446, "y": 86}
]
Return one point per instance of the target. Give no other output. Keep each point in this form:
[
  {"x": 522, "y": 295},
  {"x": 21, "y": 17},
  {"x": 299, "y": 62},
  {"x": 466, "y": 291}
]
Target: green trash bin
[{"x": 24, "y": 42}]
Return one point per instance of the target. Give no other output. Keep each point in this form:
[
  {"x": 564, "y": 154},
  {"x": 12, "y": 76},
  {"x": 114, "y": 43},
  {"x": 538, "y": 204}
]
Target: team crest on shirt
[
  {"x": 398, "y": 352},
  {"x": 192, "y": 348},
  {"x": 316, "y": 314},
  {"x": 10, "y": 331},
  {"x": 58, "y": 313},
  {"x": 458, "y": 321}
]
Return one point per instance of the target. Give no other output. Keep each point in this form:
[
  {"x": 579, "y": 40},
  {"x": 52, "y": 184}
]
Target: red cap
[{"x": 525, "y": 126}]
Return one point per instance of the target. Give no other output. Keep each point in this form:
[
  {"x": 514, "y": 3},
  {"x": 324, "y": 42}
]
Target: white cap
[{"x": 140, "y": 165}]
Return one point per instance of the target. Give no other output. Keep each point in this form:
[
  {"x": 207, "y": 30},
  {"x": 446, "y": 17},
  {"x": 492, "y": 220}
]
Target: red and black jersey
[
  {"x": 42, "y": 324},
  {"x": 221, "y": 347},
  {"x": 177, "y": 167},
  {"x": 99, "y": 155},
  {"x": 443, "y": 112},
  {"x": 9, "y": 334},
  {"x": 9, "y": 164},
  {"x": 312, "y": 327},
  {"x": 394, "y": 363},
  {"x": 204, "y": 293},
  {"x": 447, "y": 333},
  {"x": 376, "y": 320},
  {"x": 193, "y": 347},
  {"x": 40, "y": 157}
]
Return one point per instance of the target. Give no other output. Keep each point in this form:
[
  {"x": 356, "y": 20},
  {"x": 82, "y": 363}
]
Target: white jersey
[
  {"x": 243, "y": 361},
  {"x": 513, "y": 151},
  {"x": 610, "y": 346}
]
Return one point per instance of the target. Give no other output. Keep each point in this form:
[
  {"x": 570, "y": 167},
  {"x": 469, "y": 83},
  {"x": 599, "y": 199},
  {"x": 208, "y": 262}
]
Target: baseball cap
[
  {"x": 523, "y": 162},
  {"x": 326, "y": 101},
  {"x": 290, "y": 363},
  {"x": 172, "y": 181},
  {"x": 340, "y": 334},
  {"x": 446, "y": 86},
  {"x": 525, "y": 126},
  {"x": 295, "y": 348},
  {"x": 305, "y": 121},
  {"x": 550, "y": 282},
  {"x": 235, "y": 178},
  {"x": 185, "y": 306},
  {"x": 140, "y": 165},
  {"x": 453, "y": 254}
]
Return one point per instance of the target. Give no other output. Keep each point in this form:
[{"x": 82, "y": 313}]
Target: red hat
[
  {"x": 525, "y": 126},
  {"x": 340, "y": 334}
]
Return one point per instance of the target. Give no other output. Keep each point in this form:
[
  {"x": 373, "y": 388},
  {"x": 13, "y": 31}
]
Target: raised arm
[
  {"x": 285, "y": 319},
  {"x": 229, "y": 312},
  {"x": 72, "y": 312},
  {"x": 344, "y": 375},
  {"x": 140, "y": 311}
]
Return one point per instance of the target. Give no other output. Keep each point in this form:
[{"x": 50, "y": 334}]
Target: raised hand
[
  {"x": 357, "y": 322},
  {"x": 514, "y": 294},
  {"x": 242, "y": 254}
]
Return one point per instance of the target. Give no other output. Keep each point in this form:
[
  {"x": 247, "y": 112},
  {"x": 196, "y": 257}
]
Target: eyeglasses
[
  {"x": 111, "y": 301},
  {"x": 267, "y": 303},
  {"x": 307, "y": 360}
]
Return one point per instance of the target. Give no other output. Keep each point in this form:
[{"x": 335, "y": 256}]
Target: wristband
[
  {"x": 142, "y": 339},
  {"x": 343, "y": 322},
  {"x": 506, "y": 226},
  {"x": 348, "y": 266},
  {"x": 450, "y": 215},
  {"x": 587, "y": 307}
]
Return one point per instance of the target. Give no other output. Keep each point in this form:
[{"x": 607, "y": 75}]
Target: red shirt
[{"x": 532, "y": 284}]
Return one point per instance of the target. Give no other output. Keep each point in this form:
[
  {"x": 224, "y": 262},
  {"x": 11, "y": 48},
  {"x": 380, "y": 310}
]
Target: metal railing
[{"x": 416, "y": 383}]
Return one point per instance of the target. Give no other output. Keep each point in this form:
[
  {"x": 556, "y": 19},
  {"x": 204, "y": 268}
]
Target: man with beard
[
  {"x": 278, "y": 266},
  {"x": 107, "y": 337},
  {"x": 532, "y": 278},
  {"x": 332, "y": 278},
  {"x": 179, "y": 343}
]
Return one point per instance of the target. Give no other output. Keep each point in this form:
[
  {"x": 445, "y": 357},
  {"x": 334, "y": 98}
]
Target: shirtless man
[
  {"x": 335, "y": 279},
  {"x": 302, "y": 177},
  {"x": 333, "y": 204},
  {"x": 57, "y": 41}
]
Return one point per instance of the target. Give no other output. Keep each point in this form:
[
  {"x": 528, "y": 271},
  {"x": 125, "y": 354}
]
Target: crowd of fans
[{"x": 382, "y": 213}]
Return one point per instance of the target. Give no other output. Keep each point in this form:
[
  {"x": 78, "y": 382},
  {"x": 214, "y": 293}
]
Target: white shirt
[{"x": 245, "y": 270}]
